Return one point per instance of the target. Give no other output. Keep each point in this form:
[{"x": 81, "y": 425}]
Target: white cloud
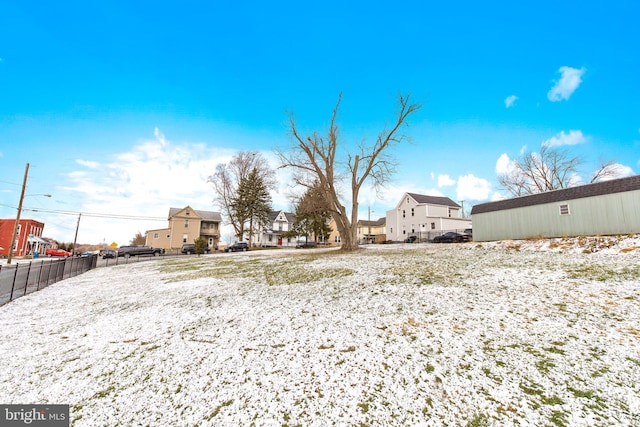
[
  {"x": 445, "y": 181},
  {"x": 503, "y": 164},
  {"x": 567, "y": 84},
  {"x": 470, "y": 187},
  {"x": 574, "y": 137},
  {"x": 497, "y": 196},
  {"x": 510, "y": 100},
  {"x": 88, "y": 163}
]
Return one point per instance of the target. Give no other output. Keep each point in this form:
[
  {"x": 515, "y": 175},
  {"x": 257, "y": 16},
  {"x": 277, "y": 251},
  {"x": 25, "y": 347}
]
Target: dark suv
[
  {"x": 190, "y": 248},
  {"x": 237, "y": 247}
]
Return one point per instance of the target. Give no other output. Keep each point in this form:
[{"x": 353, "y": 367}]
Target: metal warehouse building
[{"x": 608, "y": 207}]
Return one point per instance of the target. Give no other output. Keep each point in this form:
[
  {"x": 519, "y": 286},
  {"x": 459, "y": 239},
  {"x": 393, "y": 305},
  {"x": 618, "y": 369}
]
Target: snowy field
[{"x": 526, "y": 333}]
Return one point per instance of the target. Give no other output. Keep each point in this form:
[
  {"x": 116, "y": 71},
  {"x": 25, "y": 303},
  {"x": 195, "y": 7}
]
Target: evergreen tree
[
  {"x": 252, "y": 202},
  {"x": 312, "y": 214}
]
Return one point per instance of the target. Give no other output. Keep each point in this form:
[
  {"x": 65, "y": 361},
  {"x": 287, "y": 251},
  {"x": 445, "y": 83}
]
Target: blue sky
[{"x": 126, "y": 107}]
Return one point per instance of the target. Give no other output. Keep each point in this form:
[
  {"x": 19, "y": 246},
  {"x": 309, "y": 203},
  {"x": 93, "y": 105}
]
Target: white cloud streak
[
  {"x": 510, "y": 101},
  {"x": 574, "y": 137},
  {"x": 564, "y": 87}
]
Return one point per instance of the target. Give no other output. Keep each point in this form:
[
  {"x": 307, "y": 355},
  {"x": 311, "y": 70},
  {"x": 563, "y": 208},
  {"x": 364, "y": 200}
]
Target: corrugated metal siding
[{"x": 617, "y": 213}]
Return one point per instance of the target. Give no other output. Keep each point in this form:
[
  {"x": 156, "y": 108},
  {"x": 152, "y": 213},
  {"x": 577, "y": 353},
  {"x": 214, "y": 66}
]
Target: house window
[
  {"x": 156, "y": 235},
  {"x": 391, "y": 230},
  {"x": 403, "y": 213},
  {"x": 411, "y": 211},
  {"x": 413, "y": 230},
  {"x": 564, "y": 209},
  {"x": 270, "y": 237},
  {"x": 186, "y": 223},
  {"x": 280, "y": 226},
  {"x": 407, "y": 199},
  {"x": 184, "y": 238},
  {"x": 433, "y": 225}
]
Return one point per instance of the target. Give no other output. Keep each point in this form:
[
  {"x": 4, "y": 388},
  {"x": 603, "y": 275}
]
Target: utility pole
[
  {"x": 463, "y": 214},
  {"x": 76, "y": 236},
  {"x": 369, "y": 235},
  {"x": 15, "y": 226}
]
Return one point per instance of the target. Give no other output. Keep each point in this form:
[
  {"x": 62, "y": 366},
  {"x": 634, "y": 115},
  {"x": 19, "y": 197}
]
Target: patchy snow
[{"x": 524, "y": 333}]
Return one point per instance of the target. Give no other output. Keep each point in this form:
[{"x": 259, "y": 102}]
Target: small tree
[
  {"x": 312, "y": 214},
  {"x": 200, "y": 246},
  {"x": 138, "y": 239}
]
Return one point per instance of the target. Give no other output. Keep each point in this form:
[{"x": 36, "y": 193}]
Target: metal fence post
[
  {"x": 39, "y": 276},
  {"x": 26, "y": 281},
  {"x": 13, "y": 285}
]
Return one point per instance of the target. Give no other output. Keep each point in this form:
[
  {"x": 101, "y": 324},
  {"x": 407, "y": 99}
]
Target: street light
[{"x": 15, "y": 226}]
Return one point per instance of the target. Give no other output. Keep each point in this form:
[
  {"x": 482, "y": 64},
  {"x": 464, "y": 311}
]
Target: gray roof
[
  {"x": 205, "y": 215},
  {"x": 377, "y": 223},
  {"x": 620, "y": 185},
  {"x": 274, "y": 214},
  {"x": 433, "y": 200}
]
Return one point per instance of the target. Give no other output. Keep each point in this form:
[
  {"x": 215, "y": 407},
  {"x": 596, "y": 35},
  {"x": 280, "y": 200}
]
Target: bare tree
[
  {"x": 314, "y": 158},
  {"x": 549, "y": 169},
  {"x": 226, "y": 182}
]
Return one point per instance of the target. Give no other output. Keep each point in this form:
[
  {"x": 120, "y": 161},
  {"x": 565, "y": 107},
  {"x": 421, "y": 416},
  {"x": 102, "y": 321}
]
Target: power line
[{"x": 92, "y": 214}]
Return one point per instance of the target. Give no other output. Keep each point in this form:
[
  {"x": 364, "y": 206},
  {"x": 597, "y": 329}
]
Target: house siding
[
  {"x": 443, "y": 212},
  {"x": 617, "y": 213}
]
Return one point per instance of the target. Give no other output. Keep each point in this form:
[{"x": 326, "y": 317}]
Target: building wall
[
  {"x": 27, "y": 226},
  {"x": 425, "y": 227},
  {"x": 617, "y": 213},
  {"x": 184, "y": 228}
]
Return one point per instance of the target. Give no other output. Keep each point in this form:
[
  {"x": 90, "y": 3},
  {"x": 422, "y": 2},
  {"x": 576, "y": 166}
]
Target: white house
[
  {"x": 424, "y": 217},
  {"x": 271, "y": 235}
]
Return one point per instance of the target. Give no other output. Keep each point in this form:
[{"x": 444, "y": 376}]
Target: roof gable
[
  {"x": 422, "y": 199},
  {"x": 202, "y": 215},
  {"x": 588, "y": 190}
]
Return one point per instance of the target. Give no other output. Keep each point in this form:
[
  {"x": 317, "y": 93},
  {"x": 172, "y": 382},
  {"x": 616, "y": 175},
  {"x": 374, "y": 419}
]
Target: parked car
[
  {"x": 306, "y": 245},
  {"x": 57, "y": 252},
  {"x": 190, "y": 248},
  {"x": 108, "y": 253},
  {"x": 411, "y": 239},
  {"x": 237, "y": 247},
  {"x": 129, "y": 251},
  {"x": 451, "y": 237}
]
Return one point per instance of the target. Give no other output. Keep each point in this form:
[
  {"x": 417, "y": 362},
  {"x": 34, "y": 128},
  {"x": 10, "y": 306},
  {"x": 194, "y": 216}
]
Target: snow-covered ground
[{"x": 523, "y": 333}]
